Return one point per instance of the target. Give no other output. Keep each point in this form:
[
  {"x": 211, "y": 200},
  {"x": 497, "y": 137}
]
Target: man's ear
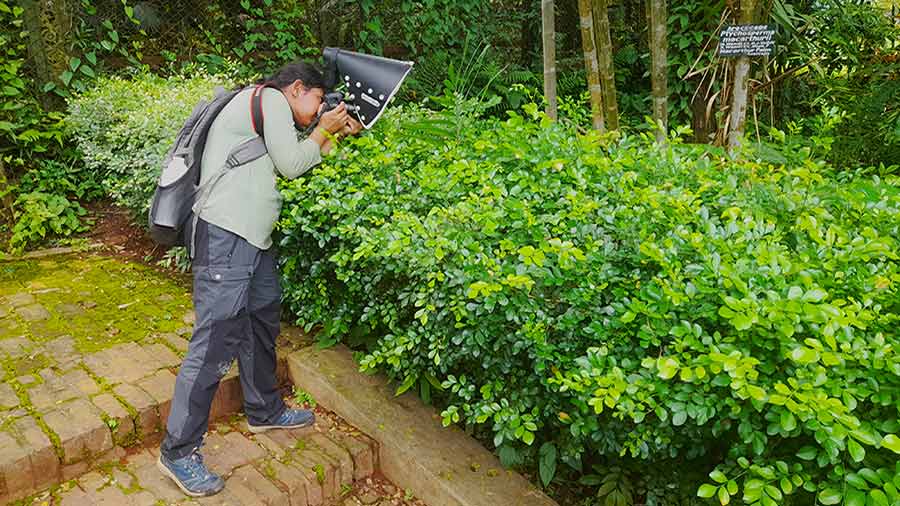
[{"x": 297, "y": 88}]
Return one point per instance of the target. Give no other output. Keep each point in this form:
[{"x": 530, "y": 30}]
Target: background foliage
[{"x": 626, "y": 324}]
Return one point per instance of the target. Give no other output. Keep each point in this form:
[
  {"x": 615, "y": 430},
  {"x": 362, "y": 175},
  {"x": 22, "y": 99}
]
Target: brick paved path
[
  {"x": 317, "y": 465},
  {"x": 89, "y": 349}
]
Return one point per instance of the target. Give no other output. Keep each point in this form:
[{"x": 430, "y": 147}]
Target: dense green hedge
[
  {"x": 616, "y": 306},
  {"x": 124, "y": 127},
  {"x": 601, "y": 311}
]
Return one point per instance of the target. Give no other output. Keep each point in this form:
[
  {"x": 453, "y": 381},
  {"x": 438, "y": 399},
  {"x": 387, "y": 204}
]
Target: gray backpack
[{"x": 178, "y": 191}]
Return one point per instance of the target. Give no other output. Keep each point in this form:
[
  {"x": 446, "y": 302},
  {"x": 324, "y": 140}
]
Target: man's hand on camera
[
  {"x": 352, "y": 127},
  {"x": 335, "y": 120}
]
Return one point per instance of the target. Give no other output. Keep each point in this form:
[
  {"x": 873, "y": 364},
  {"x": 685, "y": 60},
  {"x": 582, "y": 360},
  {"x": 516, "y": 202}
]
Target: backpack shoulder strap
[{"x": 256, "y": 110}]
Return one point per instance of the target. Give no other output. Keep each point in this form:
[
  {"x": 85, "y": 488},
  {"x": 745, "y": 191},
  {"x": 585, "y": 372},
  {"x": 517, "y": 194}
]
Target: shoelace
[{"x": 196, "y": 467}]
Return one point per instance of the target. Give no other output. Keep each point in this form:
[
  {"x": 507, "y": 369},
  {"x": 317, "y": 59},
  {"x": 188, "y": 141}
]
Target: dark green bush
[{"x": 603, "y": 303}]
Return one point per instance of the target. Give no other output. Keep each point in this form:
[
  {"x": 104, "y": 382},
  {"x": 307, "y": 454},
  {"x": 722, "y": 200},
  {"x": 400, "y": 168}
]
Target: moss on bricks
[{"x": 99, "y": 301}]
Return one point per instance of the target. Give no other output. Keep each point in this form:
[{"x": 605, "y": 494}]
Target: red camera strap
[{"x": 256, "y": 112}]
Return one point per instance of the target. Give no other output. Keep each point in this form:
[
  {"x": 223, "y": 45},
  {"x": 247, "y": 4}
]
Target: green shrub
[
  {"x": 611, "y": 306},
  {"x": 47, "y": 202},
  {"x": 124, "y": 127},
  {"x": 68, "y": 179},
  {"x": 39, "y": 214}
]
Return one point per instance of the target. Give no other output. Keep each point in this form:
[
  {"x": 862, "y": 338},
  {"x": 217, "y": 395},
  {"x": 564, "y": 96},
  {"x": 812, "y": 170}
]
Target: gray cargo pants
[{"x": 237, "y": 302}]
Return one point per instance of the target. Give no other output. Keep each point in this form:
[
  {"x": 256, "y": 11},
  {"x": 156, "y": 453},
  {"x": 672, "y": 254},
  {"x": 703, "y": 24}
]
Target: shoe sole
[
  {"x": 165, "y": 470},
  {"x": 256, "y": 429}
]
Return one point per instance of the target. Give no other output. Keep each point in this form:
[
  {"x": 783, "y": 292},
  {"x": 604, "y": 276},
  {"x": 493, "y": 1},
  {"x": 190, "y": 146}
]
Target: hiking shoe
[
  {"x": 289, "y": 419},
  {"x": 191, "y": 475}
]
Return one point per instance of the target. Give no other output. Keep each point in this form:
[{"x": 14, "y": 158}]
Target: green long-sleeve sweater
[{"x": 246, "y": 199}]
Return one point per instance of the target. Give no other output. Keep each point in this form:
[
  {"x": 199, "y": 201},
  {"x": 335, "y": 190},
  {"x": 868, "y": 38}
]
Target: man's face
[{"x": 305, "y": 102}]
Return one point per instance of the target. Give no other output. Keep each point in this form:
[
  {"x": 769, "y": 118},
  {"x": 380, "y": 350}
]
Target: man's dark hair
[{"x": 308, "y": 73}]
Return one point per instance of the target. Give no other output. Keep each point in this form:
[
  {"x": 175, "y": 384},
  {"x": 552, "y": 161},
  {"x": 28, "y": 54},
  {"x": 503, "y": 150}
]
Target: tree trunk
[
  {"x": 741, "y": 76},
  {"x": 549, "y": 37},
  {"x": 590, "y": 64},
  {"x": 605, "y": 59},
  {"x": 658, "y": 66},
  {"x": 37, "y": 49},
  {"x": 700, "y": 123}
]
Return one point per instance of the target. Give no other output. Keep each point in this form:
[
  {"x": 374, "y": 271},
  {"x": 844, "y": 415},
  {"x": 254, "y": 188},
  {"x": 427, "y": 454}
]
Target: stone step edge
[
  {"x": 47, "y": 252},
  {"x": 441, "y": 466},
  {"x": 37, "y": 465},
  {"x": 302, "y": 467},
  {"x": 329, "y": 463}
]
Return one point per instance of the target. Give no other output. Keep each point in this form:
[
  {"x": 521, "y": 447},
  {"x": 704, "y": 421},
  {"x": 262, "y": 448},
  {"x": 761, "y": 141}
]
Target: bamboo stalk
[
  {"x": 590, "y": 64},
  {"x": 605, "y": 60},
  {"x": 548, "y": 29},
  {"x": 658, "y": 41}
]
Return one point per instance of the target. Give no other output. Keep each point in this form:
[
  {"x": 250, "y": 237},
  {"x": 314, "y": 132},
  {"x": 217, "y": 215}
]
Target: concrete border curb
[{"x": 442, "y": 466}]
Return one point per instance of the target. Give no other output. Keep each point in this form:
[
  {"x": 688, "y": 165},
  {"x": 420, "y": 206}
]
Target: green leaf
[
  {"x": 870, "y": 476},
  {"x": 891, "y": 442},
  {"x": 814, "y": 295},
  {"x": 856, "y": 451},
  {"x": 788, "y": 421},
  {"x": 786, "y": 485},
  {"x": 878, "y": 498},
  {"x": 74, "y": 63},
  {"x": 718, "y": 476},
  {"x": 804, "y": 355},
  {"x": 732, "y": 487},
  {"x": 855, "y": 498},
  {"x": 528, "y": 438},
  {"x": 830, "y": 496},
  {"x": 706, "y": 491},
  {"x": 509, "y": 456},
  {"x": 66, "y": 77},
  {"x": 667, "y": 366},
  {"x": 807, "y": 453},
  {"x": 855, "y": 480},
  {"x": 547, "y": 462},
  {"x": 742, "y": 321},
  {"x": 91, "y": 57},
  {"x": 406, "y": 385},
  {"x": 724, "y": 496},
  {"x": 865, "y": 435}
]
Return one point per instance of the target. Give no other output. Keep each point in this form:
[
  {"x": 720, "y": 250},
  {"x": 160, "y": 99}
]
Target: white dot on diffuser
[
  {"x": 346, "y": 78},
  {"x": 358, "y": 84},
  {"x": 380, "y": 97},
  {"x": 362, "y": 118},
  {"x": 370, "y": 91}
]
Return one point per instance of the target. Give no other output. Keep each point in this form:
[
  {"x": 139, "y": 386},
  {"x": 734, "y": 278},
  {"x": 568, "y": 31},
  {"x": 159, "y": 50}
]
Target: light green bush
[
  {"x": 124, "y": 127},
  {"x": 615, "y": 315}
]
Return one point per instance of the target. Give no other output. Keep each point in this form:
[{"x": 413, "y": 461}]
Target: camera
[{"x": 334, "y": 98}]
